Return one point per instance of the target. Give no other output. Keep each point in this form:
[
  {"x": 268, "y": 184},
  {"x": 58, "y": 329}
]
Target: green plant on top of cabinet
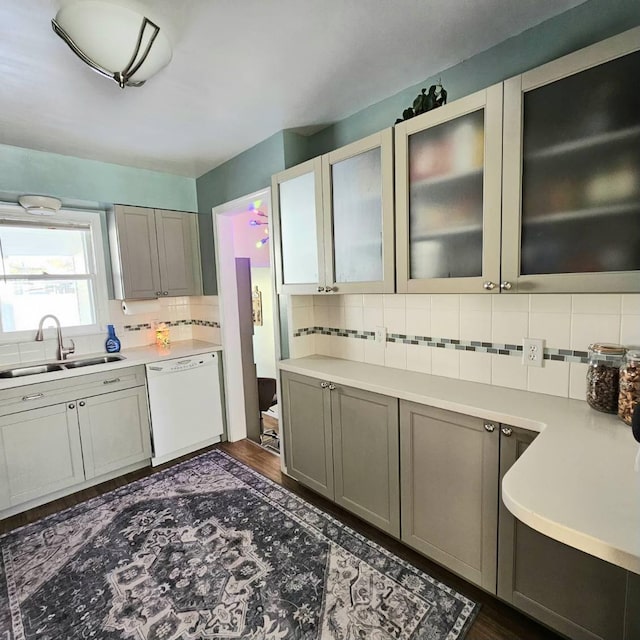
[
  {"x": 154, "y": 253},
  {"x": 448, "y": 178},
  {"x": 343, "y": 443},
  {"x": 333, "y": 222},
  {"x": 571, "y": 188}
]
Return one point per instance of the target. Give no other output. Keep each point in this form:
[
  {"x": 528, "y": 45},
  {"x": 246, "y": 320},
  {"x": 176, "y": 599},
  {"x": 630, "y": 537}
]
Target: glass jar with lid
[
  {"x": 603, "y": 376},
  {"x": 629, "y": 385}
]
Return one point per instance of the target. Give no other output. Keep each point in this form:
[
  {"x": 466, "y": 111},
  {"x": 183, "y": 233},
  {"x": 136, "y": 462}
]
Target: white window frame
[{"x": 94, "y": 220}]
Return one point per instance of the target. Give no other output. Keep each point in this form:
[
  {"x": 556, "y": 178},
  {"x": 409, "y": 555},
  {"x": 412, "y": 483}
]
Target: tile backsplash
[
  {"x": 189, "y": 318},
  {"x": 471, "y": 337}
]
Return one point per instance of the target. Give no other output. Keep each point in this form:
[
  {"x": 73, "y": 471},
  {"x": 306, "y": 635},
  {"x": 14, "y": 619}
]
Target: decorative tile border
[
  {"x": 173, "y": 323},
  {"x": 560, "y": 355}
]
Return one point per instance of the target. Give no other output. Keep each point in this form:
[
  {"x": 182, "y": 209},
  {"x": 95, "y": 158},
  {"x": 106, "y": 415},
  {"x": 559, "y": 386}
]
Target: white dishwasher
[{"x": 185, "y": 404}]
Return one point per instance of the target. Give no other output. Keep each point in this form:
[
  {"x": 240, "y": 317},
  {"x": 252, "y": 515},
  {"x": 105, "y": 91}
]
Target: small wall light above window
[
  {"x": 40, "y": 205},
  {"x": 115, "y": 38}
]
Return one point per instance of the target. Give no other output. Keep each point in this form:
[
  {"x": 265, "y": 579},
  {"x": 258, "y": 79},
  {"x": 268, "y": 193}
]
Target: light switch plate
[
  {"x": 532, "y": 352},
  {"x": 381, "y": 335}
]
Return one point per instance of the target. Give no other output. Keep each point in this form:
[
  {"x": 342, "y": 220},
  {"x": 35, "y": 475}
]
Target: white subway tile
[
  {"x": 302, "y": 301},
  {"x": 630, "y": 330},
  {"x": 395, "y": 355},
  {"x": 353, "y": 318},
  {"x": 394, "y": 301},
  {"x": 334, "y": 300},
  {"x": 32, "y": 351},
  {"x": 302, "y": 346},
  {"x": 509, "y": 326},
  {"x": 339, "y": 347},
  {"x": 578, "y": 380},
  {"x": 445, "y": 302},
  {"x": 552, "y": 378},
  {"x": 320, "y": 300},
  {"x": 510, "y": 302},
  {"x": 419, "y": 358},
  {"x": 418, "y": 301},
  {"x": 323, "y": 345},
  {"x": 475, "y": 325},
  {"x": 374, "y": 352},
  {"x": 445, "y": 362},
  {"x": 550, "y": 303},
  {"x": 336, "y": 317},
  {"x": 475, "y": 302},
  {"x": 321, "y": 316},
  {"x": 588, "y": 328},
  {"x": 395, "y": 319},
  {"x": 554, "y": 328},
  {"x": 508, "y": 371},
  {"x": 302, "y": 317},
  {"x": 445, "y": 323},
  {"x": 352, "y": 300},
  {"x": 372, "y": 317},
  {"x": 354, "y": 349},
  {"x": 596, "y": 303},
  {"x": 372, "y": 300},
  {"x": 475, "y": 366},
  {"x": 418, "y": 322},
  {"x": 631, "y": 304}
]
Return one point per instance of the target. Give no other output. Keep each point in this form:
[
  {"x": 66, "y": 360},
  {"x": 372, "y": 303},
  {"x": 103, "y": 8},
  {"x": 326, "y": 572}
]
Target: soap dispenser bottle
[{"x": 112, "y": 345}]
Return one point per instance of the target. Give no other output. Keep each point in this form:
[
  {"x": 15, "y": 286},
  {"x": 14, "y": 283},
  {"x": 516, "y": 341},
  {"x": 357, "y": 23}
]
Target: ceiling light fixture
[
  {"x": 40, "y": 205},
  {"x": 114, "y": 38}
]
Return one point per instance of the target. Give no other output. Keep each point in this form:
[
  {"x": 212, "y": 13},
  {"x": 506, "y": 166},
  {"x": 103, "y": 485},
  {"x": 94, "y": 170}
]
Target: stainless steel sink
[
  {"x": 87, "y": 362},
  {"x": 30, "y": 370},
  {"x": 46, "y": 367}
]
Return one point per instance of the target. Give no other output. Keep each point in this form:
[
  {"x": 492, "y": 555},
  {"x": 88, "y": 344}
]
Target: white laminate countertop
[
  {"x": 132, "y": 357},
  {"x": 578, "y": 482}
]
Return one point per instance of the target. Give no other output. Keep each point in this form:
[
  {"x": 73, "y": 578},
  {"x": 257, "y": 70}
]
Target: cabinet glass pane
[
  {"x": 445, "y": 199},
  {"x": 581, "y": 172},
  {"x": 298, "y": 230},
  {"x": 357, "y": 218}
]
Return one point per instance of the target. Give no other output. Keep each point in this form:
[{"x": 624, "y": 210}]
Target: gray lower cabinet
[
  {"x": 307, "y": 422},
  {"x": 577, "y": 594},
  {"x": 343, "y": 443},
  {"x": 115, "y": 431},
  {"x": 40, "y": 453},
  {"x": 365, "y": 455},
  {"x": 449, "y": 489}
]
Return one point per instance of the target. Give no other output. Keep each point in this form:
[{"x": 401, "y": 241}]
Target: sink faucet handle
[{"x": 65, "y": 351}]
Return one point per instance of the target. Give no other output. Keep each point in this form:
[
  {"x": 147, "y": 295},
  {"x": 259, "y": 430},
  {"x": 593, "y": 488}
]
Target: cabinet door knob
[
  {"x": 489, "y": 427},
  {"x": 72, "y": 406},
  {"x": 489, "y": 285},
  {"x": 82, "y": 403},
  {"x": 330, "y": 289},
  {"x": 165, "y": 293},
  {"x": 320, "y": 289},
  {"x": 332, "y": 387},
  {"x": 505, "y": 285},
  {"x": 158, "y": 293},
  {"x": 324, "y": 385},
  {"x": 506, "y": 431}
]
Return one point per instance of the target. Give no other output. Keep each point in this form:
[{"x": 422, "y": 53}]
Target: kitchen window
[{"x": 51, "y": 265}]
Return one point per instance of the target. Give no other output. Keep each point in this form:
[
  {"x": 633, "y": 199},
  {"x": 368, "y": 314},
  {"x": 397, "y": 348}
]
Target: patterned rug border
[{"x": 147, "y": 480}]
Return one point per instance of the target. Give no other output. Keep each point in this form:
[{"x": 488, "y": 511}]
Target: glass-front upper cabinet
[
  {"x": 448, "y": 197},
  {"x": 298, "y": 228},
  {"x": 358, "y": 216},
  {"x": 571, "y": 190}
]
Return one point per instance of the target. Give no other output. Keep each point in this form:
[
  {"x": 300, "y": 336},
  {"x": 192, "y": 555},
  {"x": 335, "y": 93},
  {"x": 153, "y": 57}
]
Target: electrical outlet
[
  {"x": 532, "y": 352},
  {"x": 381, "y": 335}
]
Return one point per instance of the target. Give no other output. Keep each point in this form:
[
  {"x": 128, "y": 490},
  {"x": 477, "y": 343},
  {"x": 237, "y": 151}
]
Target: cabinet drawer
[{"x": 43, "y": 394}]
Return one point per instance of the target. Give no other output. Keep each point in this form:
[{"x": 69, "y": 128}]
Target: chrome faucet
[{"x": 63, "y": 351}]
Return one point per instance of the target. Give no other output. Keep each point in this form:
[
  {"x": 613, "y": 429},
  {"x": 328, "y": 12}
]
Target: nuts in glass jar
[
  {"x": 629, "y": 385},
  {"x": 602, "y": 376}
]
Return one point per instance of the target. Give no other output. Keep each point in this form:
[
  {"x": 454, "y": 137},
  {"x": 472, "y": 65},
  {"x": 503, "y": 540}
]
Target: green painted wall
[{"x": 89, "y": 181}]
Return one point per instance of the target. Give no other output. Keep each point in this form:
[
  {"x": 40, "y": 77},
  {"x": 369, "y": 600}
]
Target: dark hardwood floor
[{"x": 496, "y": 621}]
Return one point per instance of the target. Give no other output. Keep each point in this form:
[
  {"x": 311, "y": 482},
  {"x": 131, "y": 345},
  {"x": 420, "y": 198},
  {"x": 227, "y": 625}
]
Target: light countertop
[
  {"x": 578, "y": 482},
  {"x": 132, "y": 358}
]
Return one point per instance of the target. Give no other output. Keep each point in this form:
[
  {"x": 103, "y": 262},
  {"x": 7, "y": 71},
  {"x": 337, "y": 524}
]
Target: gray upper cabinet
[
  {"x": 333, "y": 222},
  {"x": 571, "y": 188},
  {"x": 306, "y": 414},
  {"x": 577, "y": 594},
  {"x": 449, "y": 490},
  {"x": 365, "y": 455},
  {"x": 448, "y": 178},
  {"x": 154, "y": 253}
]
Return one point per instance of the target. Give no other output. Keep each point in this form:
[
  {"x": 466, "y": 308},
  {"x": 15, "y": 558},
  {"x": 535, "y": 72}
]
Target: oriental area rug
[{"x": 211, "y": 549}]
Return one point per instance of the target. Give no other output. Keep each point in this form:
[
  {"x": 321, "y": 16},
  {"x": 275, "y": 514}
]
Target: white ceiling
[{"x": 241, "y": 71}]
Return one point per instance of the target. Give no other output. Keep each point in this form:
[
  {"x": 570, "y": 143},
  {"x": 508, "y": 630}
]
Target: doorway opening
[{"x": 249, "y": 315}]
